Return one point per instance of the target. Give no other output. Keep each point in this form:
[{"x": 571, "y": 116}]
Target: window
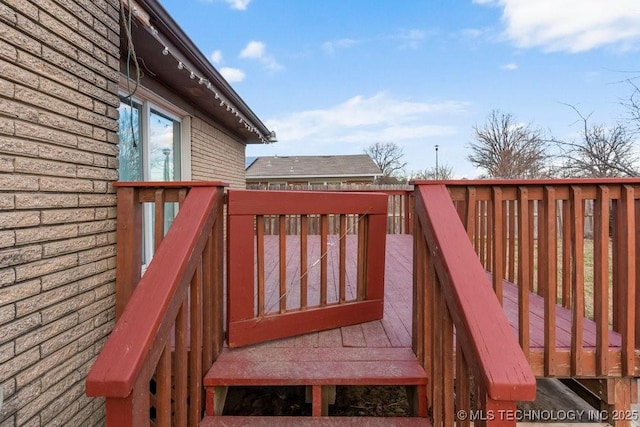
[
  {"x": 153, "y": 155},
  {"x": 152, "y": 143}
]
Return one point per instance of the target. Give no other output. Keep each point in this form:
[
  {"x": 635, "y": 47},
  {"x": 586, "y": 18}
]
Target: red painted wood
[
  {"x": 498, "y": 242},
  {"x": 244, "y": 332},
  {"x": 297, "y": 314},
  {"x": 158, "y": 220},
  {"x": 252, "y": 202},
  {"x": 627, "y": 268},
  {"x": 601, "y": 278},
  {"x": 530, "y": 182},
  {"x": 304, "y": 266},
  {"x": 168, "y": 184},
  {"x": 548, "y": 265},
  {"x": 375, "y": 257},
  {"x": 160, "y": 292},
  {"x": 577, "y": 284},
  {"x": 524, "y": 270},
  {"x": 315, "y": 421},
  {"x": 316, "y": 400},
  {"x": 240, "y": 277},
  {"x": 163, "y": 389},
  {"x": 195, "y": 355},
  {"x": 475, "y": 309},
  {"x": 130, "y": 411},
  {"x": 129, "y": 249},
  {"x": 181, "y": 385},
  {"x": 316, "y": 366},
  {"x": 353, "y": 336}
]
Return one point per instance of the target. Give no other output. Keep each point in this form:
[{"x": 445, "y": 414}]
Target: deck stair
[
  {"x": 315, "y": 421},
  {"x": 320, "y": 369}
]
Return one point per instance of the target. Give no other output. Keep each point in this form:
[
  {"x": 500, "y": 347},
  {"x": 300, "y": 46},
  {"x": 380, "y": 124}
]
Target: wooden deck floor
[{"x": 394, "y": 330}]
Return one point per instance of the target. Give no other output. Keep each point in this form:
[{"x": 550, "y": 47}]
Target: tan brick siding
[
  {"x": 215, "y": 155},
  {"x": 59, "y": 63}
]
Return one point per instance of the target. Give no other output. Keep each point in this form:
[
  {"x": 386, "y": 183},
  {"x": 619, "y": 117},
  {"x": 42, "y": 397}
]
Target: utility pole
[{"x": 437, "y": 174}]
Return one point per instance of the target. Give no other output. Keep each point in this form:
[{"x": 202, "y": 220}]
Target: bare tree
[
  {"x": 633, "y": 107},
  {"x": 444, "y": 172},
  {"x": 600, "y": 151},
  {"x": 389, "y": 157},
  {"x": 506, "y": 149}
]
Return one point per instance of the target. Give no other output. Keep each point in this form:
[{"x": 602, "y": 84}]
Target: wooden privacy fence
[
  {"x": 283, "y": 299},
  {"x": 399, "y": 214},
  {"x": 593, "y": 278},
  {"x": 460, "y": 333},
  {"x": 169, "y": 328}
]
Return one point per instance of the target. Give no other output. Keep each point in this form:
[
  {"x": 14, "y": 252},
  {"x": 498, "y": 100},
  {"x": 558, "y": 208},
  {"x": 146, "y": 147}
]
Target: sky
[{"x": 335, "y": 76}]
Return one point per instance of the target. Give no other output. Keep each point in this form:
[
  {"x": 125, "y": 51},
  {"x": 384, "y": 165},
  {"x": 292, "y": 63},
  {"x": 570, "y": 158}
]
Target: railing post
[
  {"x": 129, "y": 246},
  {"x": 130, "y": 411}
]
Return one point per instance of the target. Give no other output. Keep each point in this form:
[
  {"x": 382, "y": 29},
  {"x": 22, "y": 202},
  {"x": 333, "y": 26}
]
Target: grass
[{"x": 588, "y": 273}]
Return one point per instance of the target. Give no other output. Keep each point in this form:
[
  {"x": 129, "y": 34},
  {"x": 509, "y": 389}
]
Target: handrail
[
  {"x": 452, "y": 288},
  {"x": 185, "y": 270}
]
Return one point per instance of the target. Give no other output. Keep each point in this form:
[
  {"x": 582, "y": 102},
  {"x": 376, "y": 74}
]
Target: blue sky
[{"x": 334, "y": 76}]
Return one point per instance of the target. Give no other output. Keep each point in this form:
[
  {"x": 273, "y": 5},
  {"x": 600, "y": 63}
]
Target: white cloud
[
  {"x": 253, "y": 49},
  {"x": 258, "y": 50},
  {"x": 232, "y": 75},
  {"x": 411, "y": 38},
  {"x": 360, "y": 121},
  {"x": 234, "y": 4},
  {"x": 570, "y": 25},
  {"x": 216, "y": 56},
  {"x": 512, "y": 66},
  {"x": 331, "y": 46},
  {"x": 238, "y": 4}
]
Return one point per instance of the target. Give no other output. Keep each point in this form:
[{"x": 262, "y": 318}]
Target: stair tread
[
  {"x": 316, "y": 366},
  {"x": 233, "y": 421}
]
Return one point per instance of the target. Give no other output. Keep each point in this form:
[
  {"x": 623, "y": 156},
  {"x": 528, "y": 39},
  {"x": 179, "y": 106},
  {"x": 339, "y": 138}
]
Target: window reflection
[
  {"x": 164, "y": 140},
  {"x": 130, "y": 135}
]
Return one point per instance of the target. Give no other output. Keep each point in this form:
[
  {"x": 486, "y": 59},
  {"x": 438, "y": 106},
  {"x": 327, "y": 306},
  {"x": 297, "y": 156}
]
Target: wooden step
[
  {"x": 315, "y": 421},
  {"x": 320, "y": 369},
  {"x": 316, "y": 366}
]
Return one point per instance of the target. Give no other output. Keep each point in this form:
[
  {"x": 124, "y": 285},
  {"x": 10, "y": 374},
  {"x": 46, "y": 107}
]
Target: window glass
[
  {"x": 130, "y": 135},
  {"x": 164, "y": 148}
]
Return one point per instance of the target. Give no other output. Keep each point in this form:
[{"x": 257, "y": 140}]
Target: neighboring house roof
[
  {"x": 358, "y": 165},
  {"x": 248, "y": 160},
  {"x": 175, "y": 60}
]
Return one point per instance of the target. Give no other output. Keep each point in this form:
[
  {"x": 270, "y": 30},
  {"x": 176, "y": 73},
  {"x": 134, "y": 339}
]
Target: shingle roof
[{"x": 313, "y": 166}]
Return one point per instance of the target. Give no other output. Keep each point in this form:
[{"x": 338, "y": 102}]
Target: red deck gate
[{"x": 349, "y": 294}]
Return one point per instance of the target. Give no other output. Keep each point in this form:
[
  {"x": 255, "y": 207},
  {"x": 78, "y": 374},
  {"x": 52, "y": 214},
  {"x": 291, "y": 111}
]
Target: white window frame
[{"x": 149, "y": 101}]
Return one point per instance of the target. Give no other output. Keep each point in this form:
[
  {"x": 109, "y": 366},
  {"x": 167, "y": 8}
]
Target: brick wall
[
  {"x": 58, "y": 111},
  {"x": 215, "y": 155}
]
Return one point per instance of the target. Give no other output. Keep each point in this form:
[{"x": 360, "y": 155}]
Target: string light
[{"x": 223, "y": 102}]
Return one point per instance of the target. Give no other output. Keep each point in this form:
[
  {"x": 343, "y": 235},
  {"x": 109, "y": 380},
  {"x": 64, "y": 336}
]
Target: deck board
[
  {"x": 316, "y": 366},
  {"x": 394, "y": 330}
]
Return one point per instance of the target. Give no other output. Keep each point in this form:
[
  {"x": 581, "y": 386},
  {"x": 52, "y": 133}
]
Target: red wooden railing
[
  {"x": 169, "y": 329},
  {"x": 459, "y": 330},
  {"x": 574, "y": 243},
  {"x": 304, "y": 295},
  {"x": 399, "y": 215}
]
